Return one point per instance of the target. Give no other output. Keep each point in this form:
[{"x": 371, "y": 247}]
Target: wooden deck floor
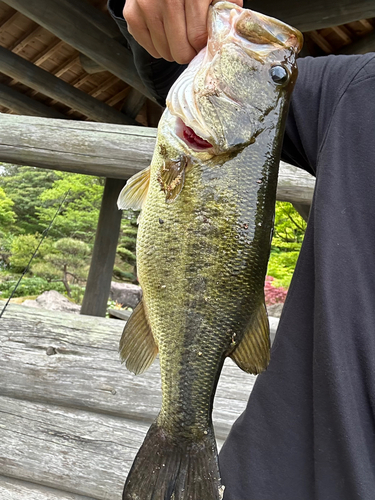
[{"x": 71, "y": 416}]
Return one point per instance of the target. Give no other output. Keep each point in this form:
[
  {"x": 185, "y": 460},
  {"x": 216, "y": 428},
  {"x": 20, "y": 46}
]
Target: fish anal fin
[
  {"x": 137, "y": 345},
  {"x": 253, "y": 352},
  {"x": 171, "y": 178},
  {"x": 134, "y": 193}
]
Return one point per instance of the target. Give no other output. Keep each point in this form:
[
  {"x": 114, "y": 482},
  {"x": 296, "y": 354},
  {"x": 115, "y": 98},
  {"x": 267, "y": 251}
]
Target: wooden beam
[
  {"x": 103, "y": 258},
  {"x": 307, "y": 16},
  {"x": 133, "y": 104},
  {"x": 23, "y": 105},
  {"x": 76, "y": 27},
  {"x": 91, "y": 67},
  {"x": 42, "y": 81},
  {"x": 105, "y": 150},
  {"x": 320, "y": 41},
  {"x": 103, "y": 22},
  {"x": 361, "y": 46}
]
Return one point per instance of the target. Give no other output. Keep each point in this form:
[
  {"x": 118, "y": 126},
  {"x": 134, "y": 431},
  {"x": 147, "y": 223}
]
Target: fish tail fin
[{"x": 169, "y": 468}]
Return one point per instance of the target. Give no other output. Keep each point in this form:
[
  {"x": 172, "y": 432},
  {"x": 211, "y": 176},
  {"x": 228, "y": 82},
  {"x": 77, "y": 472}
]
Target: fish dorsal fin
[
  {"x": 134, "y": 193},
  {"x": 253, "y": 352},
  {"x": 171, "y": 178},
  {"x": 137, "y": 345}
]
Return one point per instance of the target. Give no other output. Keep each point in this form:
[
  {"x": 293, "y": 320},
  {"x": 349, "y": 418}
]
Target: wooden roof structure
[{"x": 65, "y": 59}]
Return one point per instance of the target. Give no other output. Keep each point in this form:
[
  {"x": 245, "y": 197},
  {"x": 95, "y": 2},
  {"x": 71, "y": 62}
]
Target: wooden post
[{"x": 103, "y": 258}]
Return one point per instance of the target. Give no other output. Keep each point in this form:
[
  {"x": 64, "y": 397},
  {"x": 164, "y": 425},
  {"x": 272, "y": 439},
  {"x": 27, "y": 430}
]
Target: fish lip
[{"x": 181, "y": 128}]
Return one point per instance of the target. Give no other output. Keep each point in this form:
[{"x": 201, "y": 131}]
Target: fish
[{"x": 207, "y": 206}]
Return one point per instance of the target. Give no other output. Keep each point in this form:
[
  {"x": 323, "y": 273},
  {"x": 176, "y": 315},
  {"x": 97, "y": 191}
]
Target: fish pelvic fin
[
  {"x": 253, "y": 352},
  {"x": 134, "y": 193},
  {"x": 137, "y": 345},
  {"x": 171, "y": 177},
  {"x": 171, "y": 468}
]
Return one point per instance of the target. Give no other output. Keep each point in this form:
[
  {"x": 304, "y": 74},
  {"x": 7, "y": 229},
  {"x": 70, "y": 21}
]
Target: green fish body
[{"x": 204, "y": 241}]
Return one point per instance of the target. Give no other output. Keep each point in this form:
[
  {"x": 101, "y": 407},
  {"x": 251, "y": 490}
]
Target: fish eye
[{"x": 279, "y": 74}]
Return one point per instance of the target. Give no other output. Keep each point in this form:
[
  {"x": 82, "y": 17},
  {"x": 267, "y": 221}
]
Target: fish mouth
[{"x": 190, "y": 137}]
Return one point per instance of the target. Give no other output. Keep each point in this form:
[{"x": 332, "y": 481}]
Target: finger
[
  {"x": 176, "y": 33},
  {"x": 137, "y": 27},
  {"x": 159, "y": 39},
  {"x": 196, "y": 12}
]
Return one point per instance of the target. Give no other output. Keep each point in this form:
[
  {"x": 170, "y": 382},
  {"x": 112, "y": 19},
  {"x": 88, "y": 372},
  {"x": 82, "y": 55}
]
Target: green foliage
[
  {"x": 28, "y": 286},
  {"x": 24, "y": 185},
  {"x": 7, "y": 215},
  {"x": 125, "y": 268},
  {"x": 68, "y": 260},
  {"x": 80, "y": 212},
  {"x": 286, "y": 243},
  {"x": 22, "y": 248}
]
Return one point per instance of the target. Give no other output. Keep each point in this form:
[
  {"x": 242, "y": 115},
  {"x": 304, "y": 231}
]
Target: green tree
[
  {"x": 289, "y": 231},
  {"x": 79, "y": 215},
  {"x": 67, "y": 261},
  {"x": 7, "y": 215},
  {"x": 24, "y": 185},
  {"x": 125, "y": 264}
]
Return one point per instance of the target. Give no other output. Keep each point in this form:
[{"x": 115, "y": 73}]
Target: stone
[
  {"x": 53, "y": 301},
  {"x": 275, "y": 310},
  {"x": 126, "y": 294}
]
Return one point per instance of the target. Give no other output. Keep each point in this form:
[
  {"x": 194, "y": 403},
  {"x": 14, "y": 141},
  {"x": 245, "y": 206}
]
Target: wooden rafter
[
  {"x": 24, "y": 105},
  {"x": 342, "y": 32},
  {"x": 19, "y": 69},
  {"x": 320, "y": 41},
  {"x": 102, "y": 88},
  {"x": 118, "y": 97},
  {"x": 78, "y": 29}
]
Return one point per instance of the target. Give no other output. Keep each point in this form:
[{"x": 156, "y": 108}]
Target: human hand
[{"x": 175, "y": 30}]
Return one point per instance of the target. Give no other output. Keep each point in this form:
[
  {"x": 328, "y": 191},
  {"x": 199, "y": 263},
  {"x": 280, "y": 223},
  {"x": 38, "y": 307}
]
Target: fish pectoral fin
[
  {"x": 134, "y": 193},
  {"x": 171, "y": 178},
  {"x": 253, "y": 352},
  {"x": 137, "y": 345}
]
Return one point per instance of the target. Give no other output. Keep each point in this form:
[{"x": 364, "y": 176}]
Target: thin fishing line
[{"x": 44, "y": 235}]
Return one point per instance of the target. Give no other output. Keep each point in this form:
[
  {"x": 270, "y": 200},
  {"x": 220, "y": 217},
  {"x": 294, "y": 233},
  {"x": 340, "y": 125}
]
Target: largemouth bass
[{"x": 204, "y": 240}]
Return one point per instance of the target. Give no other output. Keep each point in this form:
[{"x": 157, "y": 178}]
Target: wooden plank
[
  {"x": 30, "y": 35},
  {"x": 14, "y": 489},
  {"x": 18, "y": 68},
  {"x": 76, "y": 27},
  {"x": 72, "y": 450},
  {"x": 105, "y": 150},
  {"x": 23, "y": 105},
  {"x": 307, "y": 16},
  {"x": 86, "y": 374},
  {"x": 103, "y": 257}
]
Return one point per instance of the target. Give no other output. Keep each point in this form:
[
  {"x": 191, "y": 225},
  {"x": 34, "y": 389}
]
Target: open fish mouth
[{"x": 190, "y": 137}]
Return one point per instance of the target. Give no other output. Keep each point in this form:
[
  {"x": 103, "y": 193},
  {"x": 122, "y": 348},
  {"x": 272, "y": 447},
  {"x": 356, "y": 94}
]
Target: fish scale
[{"x": 204, "y": 241}]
